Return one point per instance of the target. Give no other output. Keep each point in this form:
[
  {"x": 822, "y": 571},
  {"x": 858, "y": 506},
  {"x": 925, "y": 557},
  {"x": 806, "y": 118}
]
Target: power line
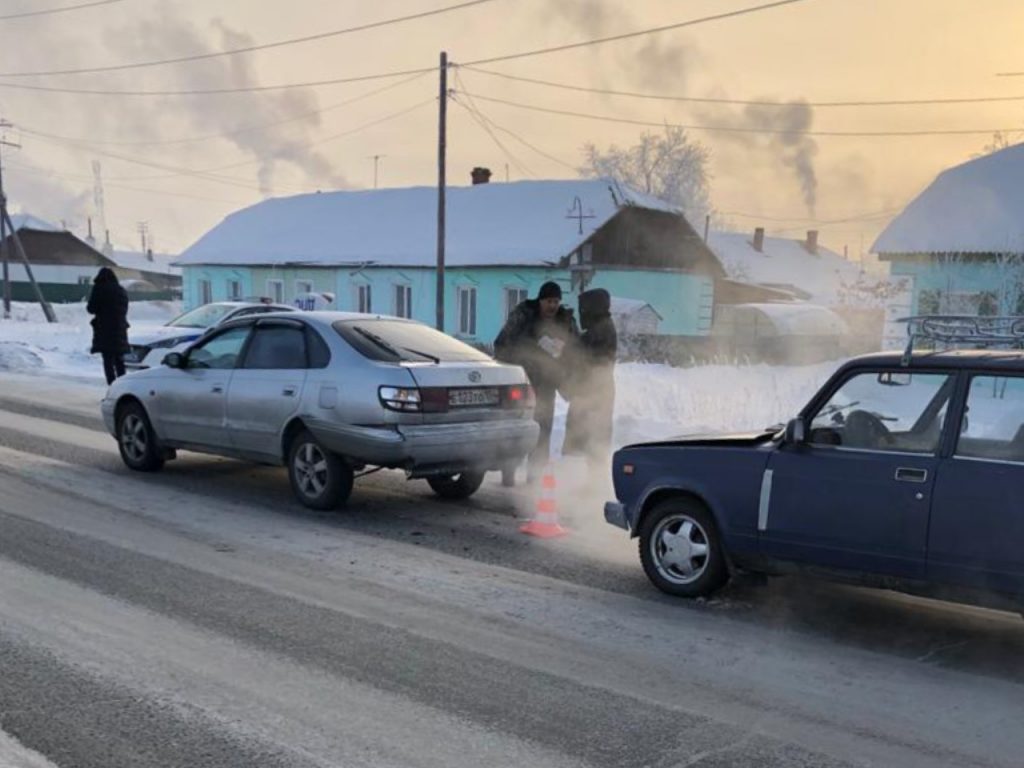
[
  {"x": 481, "y": 121},
  {"x": 638, "y": 33},
  {"x": 743, "y": 129},
  {"x": 209, "y": 174},
  {"x": 524, "y": 142},
  {"x": 250, "y": 48},
  {"x": 226, "y": 134},
  {"x": 746, "y": 102},
  {"x": 383, "y": 75},
  {"x": 812, "y": 220},
  {"x": 219, "y": 91},
  {"x": 63, "y": 9}
]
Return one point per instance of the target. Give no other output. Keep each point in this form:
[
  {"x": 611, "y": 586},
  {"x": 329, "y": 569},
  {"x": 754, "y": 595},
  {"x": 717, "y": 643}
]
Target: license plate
[{"x": 461, "y": 398}]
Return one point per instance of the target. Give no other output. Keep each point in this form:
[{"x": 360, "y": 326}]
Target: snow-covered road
[{"x": 201, "y": 617}]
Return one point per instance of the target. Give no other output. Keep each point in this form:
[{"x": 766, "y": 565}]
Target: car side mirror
[
  {"x": 796, "y": 431},
  {"x": 174, "y": 360}
]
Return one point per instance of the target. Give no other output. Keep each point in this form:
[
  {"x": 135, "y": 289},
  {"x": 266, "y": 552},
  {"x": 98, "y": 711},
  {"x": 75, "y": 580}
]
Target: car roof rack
[{"x": 970, "y": 331}]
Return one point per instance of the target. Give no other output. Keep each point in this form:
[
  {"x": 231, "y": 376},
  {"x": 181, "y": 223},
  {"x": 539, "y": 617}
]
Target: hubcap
[
  {"x": 679, "y": 549},
  {"x": 310, "y": 468},
  {"x": 134, "y": 439}
]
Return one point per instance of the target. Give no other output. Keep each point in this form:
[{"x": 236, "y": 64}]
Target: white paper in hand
[{"x": 552, "y": 346}]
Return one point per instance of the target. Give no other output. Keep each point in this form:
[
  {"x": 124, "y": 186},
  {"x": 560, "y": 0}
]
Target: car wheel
[
  {"x": 320, "y": 479},
  {"x": 680, "y": 549},
  {"x": 460, "y": 486},
  {"x": 136, "y": 439}
]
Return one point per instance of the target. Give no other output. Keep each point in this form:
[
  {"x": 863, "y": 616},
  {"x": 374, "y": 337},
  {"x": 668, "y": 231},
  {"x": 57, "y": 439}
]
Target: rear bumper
[{"x": 483, "y": 445}]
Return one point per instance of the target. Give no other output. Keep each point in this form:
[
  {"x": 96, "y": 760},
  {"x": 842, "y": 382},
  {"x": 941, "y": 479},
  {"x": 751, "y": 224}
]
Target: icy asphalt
[{"x": 200, "y": 617}]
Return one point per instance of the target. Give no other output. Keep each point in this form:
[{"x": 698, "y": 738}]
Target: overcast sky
[{"x": 815, "y": 50}]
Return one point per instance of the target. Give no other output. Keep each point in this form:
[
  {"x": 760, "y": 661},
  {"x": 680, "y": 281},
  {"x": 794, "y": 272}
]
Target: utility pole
[
  {"x": 376, "y": 163},
  {"x": 143, "y": 228},
  {"x": 7, "y": 225},
  {"x": 442, "y": 148}
]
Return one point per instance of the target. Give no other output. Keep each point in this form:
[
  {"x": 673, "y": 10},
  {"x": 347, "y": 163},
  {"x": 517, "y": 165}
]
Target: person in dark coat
[
  {"x": 108, "y": 302},
  {"x": 591, "y": 388},
  {"x": 535, "y": 335}
]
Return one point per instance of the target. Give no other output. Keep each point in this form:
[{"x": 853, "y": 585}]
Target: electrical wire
[
  {"x": 743, "y": 129},
  {"x": 63, "y": 9},
  {"x": 521, "y": 140},
  {"x": 402, "y": 73},
  {"x": 638, "y": 33},
  {"x": 249, "y": 48},
  {"x": 479, "y": 120},
  {"x": 746, "y": 102},
  {"x": 224, "y": 134},
  {"x": 218, "y": 91},
  {"x": 210, "y": 174}
]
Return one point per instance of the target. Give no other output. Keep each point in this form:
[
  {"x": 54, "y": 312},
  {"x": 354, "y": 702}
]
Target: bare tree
[{"x": 670, "y": 166}]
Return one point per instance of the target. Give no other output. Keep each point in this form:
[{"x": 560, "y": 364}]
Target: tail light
[
  {"x": 518, "y": 396},
  {"x": 404, "y": 399}
]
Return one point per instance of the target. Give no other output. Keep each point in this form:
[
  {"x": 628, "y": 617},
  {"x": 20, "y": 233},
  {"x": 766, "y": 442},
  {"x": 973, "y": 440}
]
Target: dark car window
[
  {"x": 220, "y": 352},
  {"x": 993, "y": 425},
  {"x": 319, "y": 352},
  {"x": 404, "y": 341},
  {"x": 277, "y": 347},
  {"x": 874, "y": 411}
]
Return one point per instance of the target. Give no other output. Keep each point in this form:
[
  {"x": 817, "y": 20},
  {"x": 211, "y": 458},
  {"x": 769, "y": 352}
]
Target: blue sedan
[{"x": 902, "y": 472}]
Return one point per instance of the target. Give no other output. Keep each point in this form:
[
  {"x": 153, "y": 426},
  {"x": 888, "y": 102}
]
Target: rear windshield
[
  {"x": 202, "y": 317},
  {"x": 401, "y": 341}
]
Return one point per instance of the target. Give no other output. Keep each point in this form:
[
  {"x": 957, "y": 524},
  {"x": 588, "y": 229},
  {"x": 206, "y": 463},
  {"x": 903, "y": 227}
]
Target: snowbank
[
  {"x": 28, "y": 344},
  {"x": 652, "y": 401}
]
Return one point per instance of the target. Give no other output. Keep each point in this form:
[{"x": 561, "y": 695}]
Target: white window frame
[
  {"x": 303, "y": 286},
  {"x": 234, "y": 289},
  {"x": 402, "y": 299},
  {"x": 275, "y": 290},
  {"x": 510, "y": 303},
  {"x": 467, "y": 319},
  {"x": 204, "y": 287},
  {"x": 364, "y": 298}
]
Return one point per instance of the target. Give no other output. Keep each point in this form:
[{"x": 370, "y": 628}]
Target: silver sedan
[{"x": 328, "y": 394}]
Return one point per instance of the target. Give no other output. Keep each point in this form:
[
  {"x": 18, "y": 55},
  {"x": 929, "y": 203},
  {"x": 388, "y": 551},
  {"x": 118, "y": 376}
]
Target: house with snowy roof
[
  {"x": 792, "y": 269},
  {"x": 376, "y": 251},
  {"x": 62, "y": 264},
  {"x": 959, "y": 245}
]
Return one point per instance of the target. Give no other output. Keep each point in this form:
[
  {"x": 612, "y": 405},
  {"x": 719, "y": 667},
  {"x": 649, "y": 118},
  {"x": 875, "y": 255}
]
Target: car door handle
[
  {"x": 288, "y": 392},
  {"x": 217, "y": 389},
  {"x": 911, "y": 475}
]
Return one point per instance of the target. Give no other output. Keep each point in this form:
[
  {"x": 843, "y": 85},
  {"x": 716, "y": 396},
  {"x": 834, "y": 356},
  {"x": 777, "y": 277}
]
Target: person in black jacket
[
  {"x": 591, "y": 388},
  {"x": 535, "y": 335},
  {"x": 108, "y": 302}
]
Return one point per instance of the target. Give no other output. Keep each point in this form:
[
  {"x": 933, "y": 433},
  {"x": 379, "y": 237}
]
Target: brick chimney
[
  {"x": 759, "y": 239},
  {"x": 481, "y": 175},
  {"x": 812, "y": 241}
]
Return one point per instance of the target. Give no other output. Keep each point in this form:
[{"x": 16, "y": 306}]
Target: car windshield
[
  {"x": 403, "y": 341},
  {"x": 205, "y": 316}
]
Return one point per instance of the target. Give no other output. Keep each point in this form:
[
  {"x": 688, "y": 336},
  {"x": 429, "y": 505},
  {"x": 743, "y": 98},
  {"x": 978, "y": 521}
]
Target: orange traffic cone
[{"x": 545, "y": 523}]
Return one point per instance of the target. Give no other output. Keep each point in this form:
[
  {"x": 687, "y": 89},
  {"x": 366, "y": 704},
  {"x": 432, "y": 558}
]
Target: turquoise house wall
[
  {"x": 684, "y": 300},
  {"x": 963, "y": 277}
]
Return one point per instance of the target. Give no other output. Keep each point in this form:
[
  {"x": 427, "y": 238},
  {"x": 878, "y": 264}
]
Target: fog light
[{"x": 628, "y": 469}]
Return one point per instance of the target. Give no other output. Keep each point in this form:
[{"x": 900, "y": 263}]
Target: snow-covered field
[
  {"x": 28, "y": 344},
  {"x": 652, "y": 401}
]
